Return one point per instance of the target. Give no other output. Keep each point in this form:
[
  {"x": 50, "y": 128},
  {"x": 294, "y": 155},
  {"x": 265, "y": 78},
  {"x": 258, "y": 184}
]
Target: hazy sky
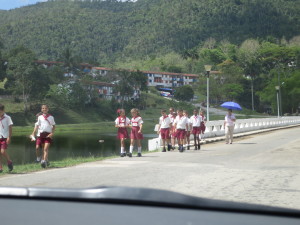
[{"x": 11, "y": 4}]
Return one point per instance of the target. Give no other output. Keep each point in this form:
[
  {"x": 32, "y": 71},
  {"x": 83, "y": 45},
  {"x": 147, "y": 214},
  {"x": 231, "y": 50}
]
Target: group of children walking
[
  {"x": 179, "y": 126},
  {"x": 176, "y": 126}
]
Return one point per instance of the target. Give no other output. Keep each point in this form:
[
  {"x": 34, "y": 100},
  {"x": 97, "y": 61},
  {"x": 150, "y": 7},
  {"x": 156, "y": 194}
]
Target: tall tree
[
  {"x": 25, "y": 77},
  {"x": 248, "y": 57}
]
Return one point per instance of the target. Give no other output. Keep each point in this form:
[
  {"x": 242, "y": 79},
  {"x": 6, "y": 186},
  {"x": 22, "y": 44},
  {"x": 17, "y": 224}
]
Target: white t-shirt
[
  {"x": 165, "y": 122},
  {"x": 122, "y": 121},
  {"x": 181, "y": 122},
  {"x": 136, "y": 121},
  {"x": 196, "y": 120},
  {"x": 229, "y": 120},
  {"x": 5, "y": 122},
  {"x": 46, "y": 123}
]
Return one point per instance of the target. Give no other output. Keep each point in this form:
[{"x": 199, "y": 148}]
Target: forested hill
[{"x": 104, "y": 31}]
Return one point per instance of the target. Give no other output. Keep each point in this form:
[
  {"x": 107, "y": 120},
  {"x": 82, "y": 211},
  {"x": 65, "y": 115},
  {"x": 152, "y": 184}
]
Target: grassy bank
[{"x": 68, "y": 162}]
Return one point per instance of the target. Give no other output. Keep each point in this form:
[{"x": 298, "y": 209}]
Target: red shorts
[
  {"x": 180, "y": 134},
  {"x": 122, "y": 133},
  {"x": 134, "y": 134},
  {"x": 196, "y": 130},
  {"x": 174, "y": 134},
  {"x": 42, "y": 139},
  {"x": 202, "y": 128},
  {"x": 3, "y": 143},
  {"x": 165, "y": 133}
]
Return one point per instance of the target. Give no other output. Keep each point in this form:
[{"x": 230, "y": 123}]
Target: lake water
[{"x": 22, "y": 150}]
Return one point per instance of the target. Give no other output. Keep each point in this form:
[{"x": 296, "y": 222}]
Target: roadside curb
[{"x": 239, "y": 135}]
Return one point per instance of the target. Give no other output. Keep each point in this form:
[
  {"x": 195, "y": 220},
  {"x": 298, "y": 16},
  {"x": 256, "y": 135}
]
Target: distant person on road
[
  {"x": 136, "y": 134},
  {"x": 187, "y": 139},
  {"x": 202, "y": 125},
  {"x": 172, "y": 117},
  {"x": 164, "y": 129},
  {"x": 122, "y": 123},
  {"x": 181, "y": 126},
  {"x": 229, "y": 126},
  {"x": 196, "y": 121},
  {"x": 35, "y": 137},
  {"x": 46, "y": 126},
  {"x": 173, "y": 132},
  {"x": 5, "y": 137}
]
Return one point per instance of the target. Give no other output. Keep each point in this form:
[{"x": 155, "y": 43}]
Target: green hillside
[{"x": 106, "y": 31}]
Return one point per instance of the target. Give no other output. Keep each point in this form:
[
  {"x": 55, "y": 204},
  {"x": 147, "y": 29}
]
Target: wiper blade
[{"x": 142, "y": 196}]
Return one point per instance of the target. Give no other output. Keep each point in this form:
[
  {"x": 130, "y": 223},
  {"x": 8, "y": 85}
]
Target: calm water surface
[{"x": 22, "y": 150}]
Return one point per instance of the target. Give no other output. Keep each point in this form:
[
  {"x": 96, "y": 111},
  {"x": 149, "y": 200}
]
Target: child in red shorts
[
  {"x": 5, "y": 137},
  {"x": 202, "y": 126},
  {"x": 165, "y": 125},
  {"x": 187, "y": 140},
  {"x": 136, "y": 135},
  {"x": 122, "y": 122},
  {"x": 196, "y": 123},
  {"x": 173, "y": 134},
  {"x": 181, "y": 125},
  {"x": 46, "y": 126}
]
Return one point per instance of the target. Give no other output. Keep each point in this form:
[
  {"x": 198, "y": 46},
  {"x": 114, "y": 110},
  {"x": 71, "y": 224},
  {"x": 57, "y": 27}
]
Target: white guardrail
[{"x": 216, "y": 128}]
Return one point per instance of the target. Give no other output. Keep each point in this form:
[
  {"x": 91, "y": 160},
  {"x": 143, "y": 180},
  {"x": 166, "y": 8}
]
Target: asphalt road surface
[{"x": 262, "y": 169}]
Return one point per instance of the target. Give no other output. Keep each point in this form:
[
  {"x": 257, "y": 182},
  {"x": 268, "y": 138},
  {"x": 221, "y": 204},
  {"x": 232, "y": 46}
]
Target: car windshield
[{"x": 196, "y": 97}]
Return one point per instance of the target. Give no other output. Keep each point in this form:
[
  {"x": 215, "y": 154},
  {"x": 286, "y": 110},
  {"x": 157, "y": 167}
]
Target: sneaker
[
  {"x": 43, "y": 164},
  {"x": 169, "y": 147},
  {"x": 123, "y": 154},
  {"x": 195, "y": 147},
  {"x": 164, "y": 150},
  {"x": 139, "y": 155},
  {"x": 10, "y": 166},
  {"x": 199, "y": 146},
  {"x": 129, "y": 154},
  {"x": 180, "y": 148}
]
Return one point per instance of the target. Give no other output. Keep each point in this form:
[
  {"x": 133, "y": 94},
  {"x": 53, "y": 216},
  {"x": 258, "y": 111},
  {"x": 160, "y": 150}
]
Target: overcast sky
[{"x": 11, "y": 4}]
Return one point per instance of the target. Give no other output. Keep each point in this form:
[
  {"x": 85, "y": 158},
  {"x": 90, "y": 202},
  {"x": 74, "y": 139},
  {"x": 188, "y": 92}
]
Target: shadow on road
[{"x": 246, "y": 143}]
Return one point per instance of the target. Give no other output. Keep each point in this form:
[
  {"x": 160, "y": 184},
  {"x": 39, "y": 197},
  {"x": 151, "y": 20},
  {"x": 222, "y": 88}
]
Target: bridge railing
[{"x": 216, "y": 128}]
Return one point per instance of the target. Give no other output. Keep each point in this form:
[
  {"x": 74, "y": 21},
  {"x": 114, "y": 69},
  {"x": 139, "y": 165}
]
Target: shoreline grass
[
  {"x": 58, "y": 164},
  {"x": 20, "y": 169}
]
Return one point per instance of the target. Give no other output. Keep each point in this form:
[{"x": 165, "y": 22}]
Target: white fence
[{"x": 216, "y": 128}]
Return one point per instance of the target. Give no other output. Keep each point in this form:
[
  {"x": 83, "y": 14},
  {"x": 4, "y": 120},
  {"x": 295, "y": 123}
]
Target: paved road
[{"x": 261, "y": 169}]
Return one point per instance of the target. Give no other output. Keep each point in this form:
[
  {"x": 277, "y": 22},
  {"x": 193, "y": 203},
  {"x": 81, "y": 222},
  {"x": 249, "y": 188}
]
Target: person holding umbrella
[
  {"x": 229, "y": 126},
  {"x": 230, "y": 119}
]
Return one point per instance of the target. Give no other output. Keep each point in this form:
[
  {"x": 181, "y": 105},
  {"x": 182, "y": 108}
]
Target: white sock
[
  {"x": 139, "y": 149},
  {"x": 122, "y": 149},
  {"x": 131, "y": 149},
  {"x": 38, "y": 158}
]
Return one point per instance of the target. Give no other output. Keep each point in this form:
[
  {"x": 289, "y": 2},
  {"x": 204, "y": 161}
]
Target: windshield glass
[{"x": 196, "y": 97}]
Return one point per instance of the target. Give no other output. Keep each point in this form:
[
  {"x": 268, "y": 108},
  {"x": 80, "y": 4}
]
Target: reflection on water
[{"x": 22, "y": 150}]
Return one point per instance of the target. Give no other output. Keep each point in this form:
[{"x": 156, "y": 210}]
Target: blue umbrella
[{"x": 231, "y": 105}]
